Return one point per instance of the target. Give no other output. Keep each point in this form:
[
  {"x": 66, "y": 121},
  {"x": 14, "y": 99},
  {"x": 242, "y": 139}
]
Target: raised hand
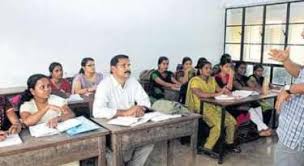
[{"x": 279, "y": 55}]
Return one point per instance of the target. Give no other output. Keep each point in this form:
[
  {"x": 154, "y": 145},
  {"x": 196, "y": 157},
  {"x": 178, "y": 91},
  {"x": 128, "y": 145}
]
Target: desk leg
[
  {"x": 170, "y": 153},
  {"x": 274, "y": 115},
  {"x": 101, "y": 161},
  {"x": 194, "y": 141},
  {"x": 117, "y": 158},
  {"x": 222, "y": 138}
]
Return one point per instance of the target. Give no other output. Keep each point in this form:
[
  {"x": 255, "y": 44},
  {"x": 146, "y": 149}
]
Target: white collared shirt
[{"x": 110, "y": 96}]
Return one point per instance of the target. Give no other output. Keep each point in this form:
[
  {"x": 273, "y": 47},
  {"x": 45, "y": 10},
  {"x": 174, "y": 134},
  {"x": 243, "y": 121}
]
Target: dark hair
[
  {"x": 238, "y": 64},
  {"x": 52, "y": 67},
  {"x": 225, "y": 60},
  {"x": 185, "y": 59},
  {"x": 201, "y": 63},
  {"x": 200, "y": 60},
  {"x": 116, "y": 58},
  {"x": 31, "y": 83},
  {"x": 84, "y": 61},
  {"x": 257, "y": 66},
  {"x": 226, "y": 56},
  {"x": 161, "y": 59}
]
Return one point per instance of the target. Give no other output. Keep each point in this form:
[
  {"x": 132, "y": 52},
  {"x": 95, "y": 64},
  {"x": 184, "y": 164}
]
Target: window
[
  {"x": 251, "y": 32},
  {"x": 280, "y": 76},
  {"x": 233, "y": 33},
  {"x": 296, "y": 27}
]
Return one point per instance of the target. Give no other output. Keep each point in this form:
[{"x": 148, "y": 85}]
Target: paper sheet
[{"x": 12, "y": 139}]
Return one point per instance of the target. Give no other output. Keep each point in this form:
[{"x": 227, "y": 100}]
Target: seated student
[
  {"x": 9, "y": 121},
  {"x": 257, "y": 80},
  {"x": 121, "y": 95},
  {"x": 59, "y": 85},
  {"x": 86, "y": 81},
  {"x": 257, "y": 77},
  {"x": 161, "y": 78},
  {"x": 241, "y": 82},
  {"x": 183, "y": 76},
  {"x": 205, "y": 86},
  {"x": 38, "y": 106},
  {"x": 186, "y": 72},
  {"x": 216, "y": 68},
  {"x": 225, "y": 76}
]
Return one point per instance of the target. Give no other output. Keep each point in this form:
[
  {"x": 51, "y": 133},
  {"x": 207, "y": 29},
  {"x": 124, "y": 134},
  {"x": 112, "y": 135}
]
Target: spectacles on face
[{"x": 90, "y": 65}]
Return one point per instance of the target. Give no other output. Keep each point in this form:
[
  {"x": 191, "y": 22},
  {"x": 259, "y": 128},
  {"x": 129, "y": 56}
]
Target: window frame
[{"x": 263, "y": 44}]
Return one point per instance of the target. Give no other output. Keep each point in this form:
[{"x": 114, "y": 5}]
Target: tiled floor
[{"x": 256, "y": 153}]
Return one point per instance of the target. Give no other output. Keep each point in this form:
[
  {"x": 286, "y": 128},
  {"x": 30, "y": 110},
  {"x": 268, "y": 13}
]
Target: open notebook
[
  {"x": 134, "y": 121},
  {"x": 13, "y": 139},
  {"x": 42, "y": 129}
]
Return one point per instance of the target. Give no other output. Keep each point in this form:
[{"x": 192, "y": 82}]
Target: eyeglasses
[{"x": 90, "y": 65}]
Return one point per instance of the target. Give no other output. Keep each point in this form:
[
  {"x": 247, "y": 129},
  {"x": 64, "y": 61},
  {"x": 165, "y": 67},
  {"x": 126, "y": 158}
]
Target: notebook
[
  {"x": 13, "y": 139},
  {"x": 86, "y": 125},
  {"x": 41, "y": 130},
  {"x": 134, "y": 121}
]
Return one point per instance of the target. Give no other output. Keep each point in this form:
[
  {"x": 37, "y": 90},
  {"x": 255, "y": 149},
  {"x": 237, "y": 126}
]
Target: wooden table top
[
  {"x": 225, "y": 103},
  {"x": 122, "y": 129},
  {"x": 33, "y": 143}
]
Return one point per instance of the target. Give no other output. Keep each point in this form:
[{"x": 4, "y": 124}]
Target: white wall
[
  {"x": 239, "y": 3},
  {"x": 33, "y": 33}
]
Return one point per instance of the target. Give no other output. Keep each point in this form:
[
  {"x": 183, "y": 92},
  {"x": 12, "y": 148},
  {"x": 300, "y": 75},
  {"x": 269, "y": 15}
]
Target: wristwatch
[{"x": 286, "y": 88}]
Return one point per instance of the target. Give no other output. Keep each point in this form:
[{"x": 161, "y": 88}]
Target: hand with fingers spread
[{"x": 279, "y": 55}]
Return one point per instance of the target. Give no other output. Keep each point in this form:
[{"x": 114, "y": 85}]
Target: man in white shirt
[{"x": 120, "y": 95}]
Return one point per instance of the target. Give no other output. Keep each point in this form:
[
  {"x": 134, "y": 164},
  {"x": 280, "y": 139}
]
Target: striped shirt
[{"x": 291, "y": 120}]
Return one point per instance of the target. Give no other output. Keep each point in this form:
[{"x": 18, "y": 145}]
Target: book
[
  {"x": 13, "y": 139},
  {"x": 41, "y": 130},
  {"x": 86, "y": 125},
  {"x": 134, "y": 121}
]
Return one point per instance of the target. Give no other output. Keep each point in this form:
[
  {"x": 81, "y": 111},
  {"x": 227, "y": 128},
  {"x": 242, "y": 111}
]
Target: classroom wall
[
  {"x": 33, "y": 33},
  {"x": 238, "y": 3}
]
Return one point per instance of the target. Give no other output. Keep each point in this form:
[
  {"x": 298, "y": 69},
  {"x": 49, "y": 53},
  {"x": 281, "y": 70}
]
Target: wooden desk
[
  {"x": 124, "y": 138},
  {"x": 225, "y": 104},
  {"x": 85, "y": 105},
  {"x": 55, "y": 150},
  {"x": 11, "y": 91}
]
